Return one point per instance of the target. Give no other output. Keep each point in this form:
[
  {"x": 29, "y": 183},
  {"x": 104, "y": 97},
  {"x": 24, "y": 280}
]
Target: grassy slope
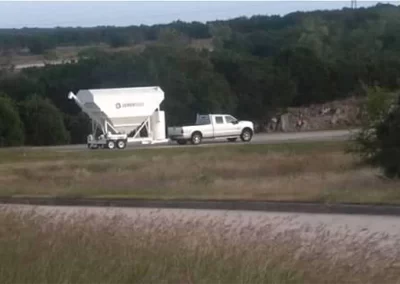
[
  {"x": 153, "y": 248},
  {"x": 40, "y": 248},
  {"x": 319, "y": 172}
]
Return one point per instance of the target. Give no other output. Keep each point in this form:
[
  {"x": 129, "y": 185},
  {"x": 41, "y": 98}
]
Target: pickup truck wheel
[
  {"x": 246, "y": 135},
  {"x": 232, "y": 139},
  {"x": 196, "y": 138},
  {"x": 182, "y": 142}
]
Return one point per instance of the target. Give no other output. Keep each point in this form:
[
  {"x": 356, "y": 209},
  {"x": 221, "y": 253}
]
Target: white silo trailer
[{"x": 122, "y": 115}]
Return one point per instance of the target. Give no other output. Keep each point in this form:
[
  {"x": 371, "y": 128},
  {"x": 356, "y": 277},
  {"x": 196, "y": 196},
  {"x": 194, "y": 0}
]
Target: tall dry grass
[
  {"x": 83, "y": 248},
  {"x": 234, "y": 173}
]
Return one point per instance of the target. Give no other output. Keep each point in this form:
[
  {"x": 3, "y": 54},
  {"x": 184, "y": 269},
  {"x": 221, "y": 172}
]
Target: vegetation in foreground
[
  {"x": 320, "y": 172},
  {"x": 83, "y": 248},
  {"x": 378, "y": 142}
]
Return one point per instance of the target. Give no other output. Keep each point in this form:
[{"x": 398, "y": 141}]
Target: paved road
[
  {"x": 257, "y": 139},
  {"x": 360, "y": 225},
  {"x": 42, "y": 63}
]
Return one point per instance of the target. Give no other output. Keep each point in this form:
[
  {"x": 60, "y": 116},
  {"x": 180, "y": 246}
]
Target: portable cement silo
[{"x": 122, "y": 115}]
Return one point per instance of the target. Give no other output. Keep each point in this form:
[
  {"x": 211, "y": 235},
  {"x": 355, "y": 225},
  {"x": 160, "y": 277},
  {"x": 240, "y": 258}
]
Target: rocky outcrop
[{"x": 332, "y": 115}]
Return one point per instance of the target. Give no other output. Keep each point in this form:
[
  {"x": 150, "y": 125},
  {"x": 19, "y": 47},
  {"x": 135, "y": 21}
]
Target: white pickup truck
[{"x": 212, "y": 126}]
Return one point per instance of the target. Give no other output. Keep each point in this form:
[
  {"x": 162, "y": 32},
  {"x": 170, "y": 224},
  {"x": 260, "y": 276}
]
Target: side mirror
[{"x": 235, "y": 122}]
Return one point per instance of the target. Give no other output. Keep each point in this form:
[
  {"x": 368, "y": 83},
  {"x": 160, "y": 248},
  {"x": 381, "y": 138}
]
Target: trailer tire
[
  {"x": 182, "y": 142},
  {"x": 121, "y": 144},
  {"x": 196, "y": 138},
  {"x": 92, "y": 146},
  {"x": 110, "y": 144},
  {"x": 246, "y": 135}
]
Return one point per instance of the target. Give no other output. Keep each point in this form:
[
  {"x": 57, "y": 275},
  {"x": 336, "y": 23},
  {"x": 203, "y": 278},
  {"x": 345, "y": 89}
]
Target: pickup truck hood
[{"x": 245, "y": 122}]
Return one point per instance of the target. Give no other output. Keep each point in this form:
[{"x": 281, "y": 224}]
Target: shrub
[
  {"x": 378, "y": 142},
  {"x": 44, "y": 123},
  {"x": 11, "y": 128},
  {"x": 388, "y": 144}
]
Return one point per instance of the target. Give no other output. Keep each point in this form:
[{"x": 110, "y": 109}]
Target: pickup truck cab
[{"x": 212, "y": 126}]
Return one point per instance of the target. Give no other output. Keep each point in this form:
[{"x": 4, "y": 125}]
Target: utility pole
[{"x": 353, "y": 4}]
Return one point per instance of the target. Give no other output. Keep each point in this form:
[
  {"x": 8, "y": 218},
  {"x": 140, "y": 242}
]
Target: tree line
[
  {"x": 327, "y": 32},
  {"x": 257, "y": 66}
]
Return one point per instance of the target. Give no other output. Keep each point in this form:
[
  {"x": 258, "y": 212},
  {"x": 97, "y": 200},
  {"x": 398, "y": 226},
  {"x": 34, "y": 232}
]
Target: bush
[
  {"x": 388, "y": 144},
  {"x": 44, "y": 123},
  {"x": 11, "y": 128},
  {"x": 378, "y": 142},
  {"x": 79, "y": 127}
]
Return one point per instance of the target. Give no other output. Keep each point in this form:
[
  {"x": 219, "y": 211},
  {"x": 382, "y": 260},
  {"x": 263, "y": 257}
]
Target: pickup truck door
[
  {"x": 220, "y": 127},
  {"x": 232, "y": 128},
  {"x": 224, "y": 128}
]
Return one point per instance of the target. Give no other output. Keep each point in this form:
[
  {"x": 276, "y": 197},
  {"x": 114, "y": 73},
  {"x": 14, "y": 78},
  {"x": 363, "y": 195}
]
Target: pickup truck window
[
  {"x": 203, "y": 120},
  {"x": 229, "y": 119},
  {"x": 219, "y": 120}
]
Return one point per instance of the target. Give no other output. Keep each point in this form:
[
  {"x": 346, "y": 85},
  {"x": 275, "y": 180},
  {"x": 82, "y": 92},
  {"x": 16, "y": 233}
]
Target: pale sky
[{"x": 18, "y": 14}]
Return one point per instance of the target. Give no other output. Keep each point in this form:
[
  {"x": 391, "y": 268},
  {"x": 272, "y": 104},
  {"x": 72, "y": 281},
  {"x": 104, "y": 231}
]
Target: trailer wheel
[
  {"x": 196, "y": 138},
  {"x": 246, "y": 135},
  {"x": 121, "y": 144},
  {"x": 92, "y": 146},
  {"x": 182, "y": 142},
  {"x": 110, "y": 144}
]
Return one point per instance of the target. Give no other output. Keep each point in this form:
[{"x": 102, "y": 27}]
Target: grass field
[
  {"x": 320, "y": 172},
  {"x": 37, "y": 248},
  {"x": 101, "y": 248}
]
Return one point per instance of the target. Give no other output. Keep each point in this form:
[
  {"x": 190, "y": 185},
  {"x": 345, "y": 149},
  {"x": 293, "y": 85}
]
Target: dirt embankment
[{"x": 332, "y": 115}]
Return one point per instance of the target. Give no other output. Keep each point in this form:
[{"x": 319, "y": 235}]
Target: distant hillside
[
  {"x": 253, "y": 68},
  {"x": 319, "y": 28}
]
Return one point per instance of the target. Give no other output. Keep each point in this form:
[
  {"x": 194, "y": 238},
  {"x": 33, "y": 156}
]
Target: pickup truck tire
[
  {"x": 182, "y": 142},
  {"x": 196, "y": 138},
  {"x": 246, "y": 135}
]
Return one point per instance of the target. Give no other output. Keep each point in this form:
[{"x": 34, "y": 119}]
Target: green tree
[
  {"x": 378, "y": 142},
  {"x": 220, "y": 32},
  {"x": 387, "y": 154},
  {"x": 43, "y": 122},
  {"x": 39, "y": 44},
  {"x": 313, "y": 35},
  {"x": 172, "y": 37},
  {"x": 78, "y": 126},
  {"x": 118, "y": 40},
  {"x": 11, "y": 127}
]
